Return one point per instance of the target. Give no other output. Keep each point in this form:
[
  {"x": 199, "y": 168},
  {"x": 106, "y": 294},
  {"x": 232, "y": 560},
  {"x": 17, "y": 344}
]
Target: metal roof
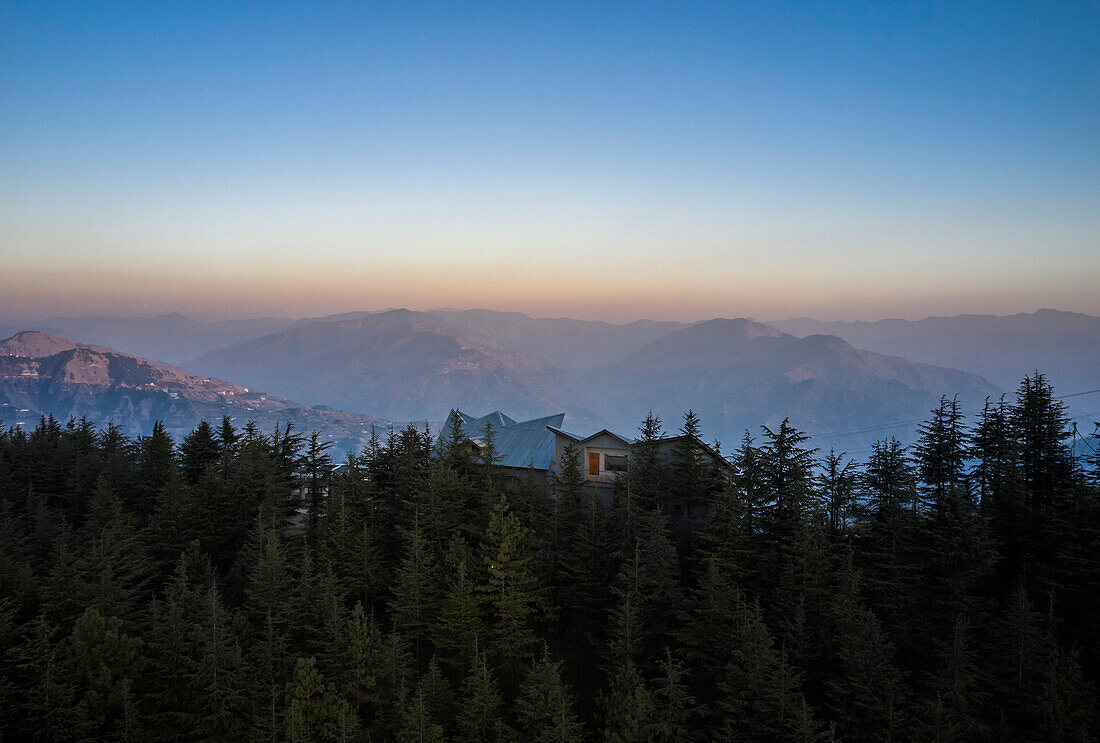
[
  {"x": 522, "y": 444},
  {"x": 585, "y": 439}
]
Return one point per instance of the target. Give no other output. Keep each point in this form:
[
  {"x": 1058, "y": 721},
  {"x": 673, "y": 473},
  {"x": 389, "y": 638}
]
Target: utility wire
[{"x": 1084, "y": 440}]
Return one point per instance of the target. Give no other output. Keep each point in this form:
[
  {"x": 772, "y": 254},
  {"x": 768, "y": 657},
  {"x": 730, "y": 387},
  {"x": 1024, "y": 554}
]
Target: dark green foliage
[
  {"x": 416, "y": 593},
  {"x": 510, "y": 588},
  {"x": 231, "y": 590},
  {"x": 316, "y": 466},
  {"x": 460, "y": 626},
  {"x": 200, "y": 449},
  {"x": 628, "y": 710},
  {"x": 838, "y": 486},
  {"x": 106, "y": 666},
  {"x": 544, "y": 708},
  {"x": 482, "y": 717}
]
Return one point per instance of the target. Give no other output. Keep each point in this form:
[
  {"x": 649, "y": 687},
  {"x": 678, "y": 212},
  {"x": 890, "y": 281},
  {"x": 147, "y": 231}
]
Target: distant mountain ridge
[
  {"x": 576, "y": 345},
  {"x": 741, "y": 374},
  {"x": 400, "y": 364},
  {"x": 406, "y": 365},
  {"x": 736, "y": 373},
  {"x": 41, "y": 374},
  {"x": 1063, "y": 345},
  {"x": 171, "y": 337}
]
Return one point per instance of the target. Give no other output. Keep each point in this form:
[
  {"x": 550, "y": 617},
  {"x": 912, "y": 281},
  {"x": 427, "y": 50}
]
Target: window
[{"x": 614, "y": 463}]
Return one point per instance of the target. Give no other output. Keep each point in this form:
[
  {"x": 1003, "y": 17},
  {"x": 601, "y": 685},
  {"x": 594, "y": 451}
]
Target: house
[
  {"x": 523, "y": 449},
  {"x": 534, "y": 448}
]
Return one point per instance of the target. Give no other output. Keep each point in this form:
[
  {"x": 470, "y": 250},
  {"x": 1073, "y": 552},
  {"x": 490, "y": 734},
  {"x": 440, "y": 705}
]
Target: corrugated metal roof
[{"x": 522, "y": 444}]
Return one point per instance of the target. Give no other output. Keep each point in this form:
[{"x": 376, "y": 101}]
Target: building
[{"x": 534, "y": 448}]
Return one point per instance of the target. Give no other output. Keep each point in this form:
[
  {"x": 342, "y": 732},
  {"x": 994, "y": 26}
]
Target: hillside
[
  {"x": 1064, "y": 345},
  {"x": 734, "y": 373},
  {"x": 738, "y": 374},
  {"x": 576, "y": 345},
  {"x": 41, "y": 374},
  {"x": 400, "y": 364}
]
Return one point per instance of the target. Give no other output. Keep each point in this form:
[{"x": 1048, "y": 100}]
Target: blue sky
[{"x": 603, "y": 160}]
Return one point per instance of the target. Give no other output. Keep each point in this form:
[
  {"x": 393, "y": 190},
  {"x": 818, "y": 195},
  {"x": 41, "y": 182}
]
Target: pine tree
[
  {"x": 888, "y": 539},
  {"x": 198, "y": 451},
  {"x": 759, "y": 697},
  {"x": 394, "y": 673},
  {"x": 511, "y": 589},
  {"x": 196, "y": 657},
  {"x": 582, "y": 598},
  {"x": 545, "y": 706},
  {"x": 861, "y": 686},
  {"x": 838, "y": 483},
  {"x": 691, "y": 479},
  {"x": 415, "y": 601},
  {"x": 711, "y": 613},
  {"x": 941, "y": 455},
  {"x": 362, "y": 653},
  {"x": 313, "y": 709},
  {"x": 1039, "y": 420},
  {"x": 674, "y": 703},
  {"x": 351, "y": 548},
  {"x": 787, "y": 470},
  {"x": 438, "y": 695},
  {"x": 227, "y": 440},
  {"x": 113, "y": 566},
  {"x": 106, "y": 664},
  {"x": 955, "y": 711},
  {"x": 567, "y": 490},
  {"x": 317, "y": 467},
  {"x": 417, "y": 725},
  {"x": 53, "y": 710},
  {"x": 628, "y": 710},
  {"x": 481, "y": 719},
  {"x": 460, "y": 626},
  {"x": 889, "y": 480},
  {"x": 156, "y": 466}
]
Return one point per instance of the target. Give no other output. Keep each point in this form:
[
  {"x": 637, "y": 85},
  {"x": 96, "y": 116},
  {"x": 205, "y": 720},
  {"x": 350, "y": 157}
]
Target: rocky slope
[{"x": 41, "y": 374}]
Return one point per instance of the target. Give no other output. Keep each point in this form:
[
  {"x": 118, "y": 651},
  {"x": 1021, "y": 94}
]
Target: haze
[{"x": 615, "y": 161}]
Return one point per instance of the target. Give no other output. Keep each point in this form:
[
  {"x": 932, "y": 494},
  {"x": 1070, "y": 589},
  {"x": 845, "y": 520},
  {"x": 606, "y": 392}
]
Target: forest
[{"x": 211, "y": 590}]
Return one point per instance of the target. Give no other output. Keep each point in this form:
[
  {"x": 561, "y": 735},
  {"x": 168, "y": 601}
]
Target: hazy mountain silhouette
[
  {"x": 739, "y": 374},
  {"x": 576, "y": 345},
  {"x": 399, "y": 364},
  {"x": 1063, "y": 345},
  {"x": 42, "y": 374},
  {"x": 172, "y": 337},
  {"x": 828, "y": 377}
]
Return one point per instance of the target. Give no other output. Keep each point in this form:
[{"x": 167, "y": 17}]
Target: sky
[{"x": 600, "y": 160}]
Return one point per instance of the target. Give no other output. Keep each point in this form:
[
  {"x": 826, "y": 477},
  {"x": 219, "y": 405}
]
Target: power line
[
  {"x": 1084, "y": 439},
  {"x": 1077, "y": 394}
]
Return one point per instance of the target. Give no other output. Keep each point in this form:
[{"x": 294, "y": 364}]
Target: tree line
[{"x": 223, "y": 589}]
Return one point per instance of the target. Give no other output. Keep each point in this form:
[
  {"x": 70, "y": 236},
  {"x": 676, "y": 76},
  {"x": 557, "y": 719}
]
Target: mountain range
[
  {"x": 172, "y": 337},
  {"x": 740, "y": 374},
  {"x": 41, "y": 374},
  {"x": 839, "y": 379},
  {"x": 1063, "y": 345},
  {"x": 737, "y": 374},
  {"x": 400, "y": 364}
]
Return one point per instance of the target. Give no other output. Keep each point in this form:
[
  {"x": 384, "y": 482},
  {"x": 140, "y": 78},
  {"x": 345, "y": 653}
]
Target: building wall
[{"x": 602, "y": 445}]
